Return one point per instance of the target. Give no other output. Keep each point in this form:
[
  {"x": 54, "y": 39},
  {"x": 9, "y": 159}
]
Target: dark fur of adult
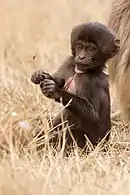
[{"x": 82, "y": 80}]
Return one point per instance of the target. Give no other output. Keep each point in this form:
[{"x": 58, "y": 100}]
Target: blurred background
[{"x": 36, "y": 34}]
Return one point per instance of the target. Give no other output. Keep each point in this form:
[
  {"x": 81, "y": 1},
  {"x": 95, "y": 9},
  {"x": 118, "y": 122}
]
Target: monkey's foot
[{"x": 116, "y": 117}]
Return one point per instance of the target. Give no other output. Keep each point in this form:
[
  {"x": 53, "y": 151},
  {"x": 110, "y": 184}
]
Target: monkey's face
[
  {"x": 92, "y": 45},
  {"x": 85, "y": 53}
]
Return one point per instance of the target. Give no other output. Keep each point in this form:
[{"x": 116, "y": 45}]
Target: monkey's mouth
[
  {"x": 82, "y": 67},
  {"x": 84, "y": 63}
]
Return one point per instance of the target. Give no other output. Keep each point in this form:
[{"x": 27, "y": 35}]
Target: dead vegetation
[{"x": 35, "y": 34}]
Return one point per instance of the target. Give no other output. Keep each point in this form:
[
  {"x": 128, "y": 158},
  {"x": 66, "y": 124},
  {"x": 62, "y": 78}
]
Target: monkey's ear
[
  {"x": 112, "y": 48},
  {"x": 116, "y": 47}
]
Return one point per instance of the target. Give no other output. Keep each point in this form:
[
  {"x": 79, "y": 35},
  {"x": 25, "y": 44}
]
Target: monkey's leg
[
  {"x": 115, "y": 117},
  {"x": 115, "y": 112},
  {"x": 57, "y": 127}
]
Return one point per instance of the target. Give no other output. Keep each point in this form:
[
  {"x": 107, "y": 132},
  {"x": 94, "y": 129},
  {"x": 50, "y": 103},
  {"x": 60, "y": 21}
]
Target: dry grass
[{"x": 41, "y": 29}]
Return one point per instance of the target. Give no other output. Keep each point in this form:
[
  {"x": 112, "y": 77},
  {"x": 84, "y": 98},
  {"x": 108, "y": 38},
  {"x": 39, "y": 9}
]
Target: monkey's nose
[{"x": 82, "y": 57}]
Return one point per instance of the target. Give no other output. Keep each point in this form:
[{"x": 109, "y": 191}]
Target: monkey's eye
[
  {"x": 91, "y": 48},
  {"x": 78, "y": 46}
]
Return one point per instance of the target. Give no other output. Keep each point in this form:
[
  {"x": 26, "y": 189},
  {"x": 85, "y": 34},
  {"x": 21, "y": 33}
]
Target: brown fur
[{"x": 119, "y": 67}]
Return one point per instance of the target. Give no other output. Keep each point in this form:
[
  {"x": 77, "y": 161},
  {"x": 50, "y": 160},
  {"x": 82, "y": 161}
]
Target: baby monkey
[{"x": 81, "y": 82}]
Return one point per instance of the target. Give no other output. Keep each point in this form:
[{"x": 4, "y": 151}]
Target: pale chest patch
[{"x": 70, "y": 85}]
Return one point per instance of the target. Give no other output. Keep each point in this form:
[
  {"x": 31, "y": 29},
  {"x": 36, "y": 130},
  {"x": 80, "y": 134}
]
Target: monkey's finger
[
  {"x": 48, "y": 89},
  {"x": 34, "y": 79},
  {"x": 47, "y": 76},
  {"x": 37, "y": 78},
  {"x": 48, "y": 86},
  {"x": 47, "y": 82},
  {"x": 48, "y": 95}
]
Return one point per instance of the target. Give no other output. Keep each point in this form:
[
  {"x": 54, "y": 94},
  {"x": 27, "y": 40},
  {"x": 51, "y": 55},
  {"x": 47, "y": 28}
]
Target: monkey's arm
[
  {"x": 64, "y": 71},
  {"x": 39, "y": 76},
  {"x": 82, "y": 108}
]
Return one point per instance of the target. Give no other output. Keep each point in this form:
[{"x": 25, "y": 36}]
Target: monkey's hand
[
  {"x": 50, "y": 89},
  {"x": 39, "y": 76}
]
